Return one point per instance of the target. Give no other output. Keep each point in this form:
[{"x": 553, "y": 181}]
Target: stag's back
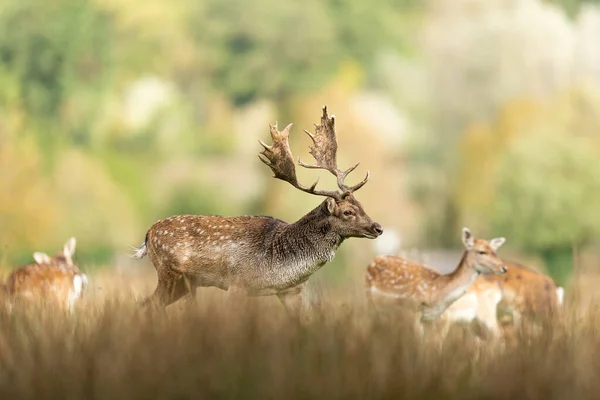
[
  {"x": 214, "y": 248},
  {"x": 263, "y": 252}
]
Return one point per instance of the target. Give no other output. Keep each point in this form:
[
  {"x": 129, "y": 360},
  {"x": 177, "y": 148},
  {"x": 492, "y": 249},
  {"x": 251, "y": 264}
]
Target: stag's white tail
[{"x": 140, "y": 252}]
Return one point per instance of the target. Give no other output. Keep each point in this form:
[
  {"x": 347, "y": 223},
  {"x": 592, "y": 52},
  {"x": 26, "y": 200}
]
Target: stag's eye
[
  {"x": 481, "y": 252},
  {"x": 348, "y": 213}
]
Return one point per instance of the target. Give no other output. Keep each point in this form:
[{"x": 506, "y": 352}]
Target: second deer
[
  {"x": 414, "y": 286},
  {"x": 522, "y": 291},
  {"x": 528, "y": 293},
  {"x": 54, "y": 279}
]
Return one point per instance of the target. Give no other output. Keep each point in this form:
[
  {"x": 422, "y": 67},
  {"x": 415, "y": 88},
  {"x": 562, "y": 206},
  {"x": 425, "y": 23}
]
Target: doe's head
[
  {"x": 349, "y": 219},
  {"x": 482, "y": 253},
  {"x": 63, "y": 258}
]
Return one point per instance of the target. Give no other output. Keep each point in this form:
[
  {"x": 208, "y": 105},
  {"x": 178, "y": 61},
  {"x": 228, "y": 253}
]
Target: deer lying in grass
[
  {"x": 49, "y": 278},
  {"x": 391, "y": 279},
  {"x": 256, "y": 255}
]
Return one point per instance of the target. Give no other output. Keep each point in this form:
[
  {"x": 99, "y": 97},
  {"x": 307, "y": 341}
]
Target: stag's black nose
[
  {"x": 377, "y": 229},
  {"x": 503, "y": 269}
]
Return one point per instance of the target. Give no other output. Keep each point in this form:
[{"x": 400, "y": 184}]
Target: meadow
[
  {"x": 116, "y": 114},
  {"x": 211, "y": 348}
]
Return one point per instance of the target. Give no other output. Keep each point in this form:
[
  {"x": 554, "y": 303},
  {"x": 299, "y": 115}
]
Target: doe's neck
[{"x": 462, "y": 278}]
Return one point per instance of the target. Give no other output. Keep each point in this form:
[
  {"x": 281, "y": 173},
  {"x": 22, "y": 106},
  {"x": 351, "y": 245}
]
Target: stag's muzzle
[{"x": 377, "y": 229}]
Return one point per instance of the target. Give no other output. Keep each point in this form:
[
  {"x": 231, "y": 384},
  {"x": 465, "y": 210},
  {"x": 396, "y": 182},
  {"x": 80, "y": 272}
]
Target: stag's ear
[
  {"x": 331, "y": 205},
  {"x": 497, "y": 242},
  {"x": 467, "y": 238},
  {"x": 69, "y": 248},
  {"x": 41, "y": 258}
]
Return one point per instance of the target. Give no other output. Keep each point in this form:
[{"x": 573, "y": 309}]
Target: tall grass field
[{"x": 212, "y": 348}]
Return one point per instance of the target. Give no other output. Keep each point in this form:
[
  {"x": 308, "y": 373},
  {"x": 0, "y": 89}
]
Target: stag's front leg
[
  {"x": 190, "y": 285},
  {"x": 170, "y": 288},
  {"x": 236, "y": 297},
  {"x": 294, "y": 302}
]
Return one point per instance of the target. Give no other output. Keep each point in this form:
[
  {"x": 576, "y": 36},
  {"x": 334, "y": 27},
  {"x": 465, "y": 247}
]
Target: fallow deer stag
[
  {"x": 258, "y": 255},
  {"x": 52, "y": 278},
  {"x": 391, "y": 279}
]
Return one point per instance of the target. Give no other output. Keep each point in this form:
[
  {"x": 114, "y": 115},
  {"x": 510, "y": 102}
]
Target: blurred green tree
[
  {"x": 59, "y": 56},
  {"x": 273, "y": 49},
  {"x": 71, "y": 73},
  {"x": 279, "y": 51},
  {"x": 546, "y": 184},
  {"x": 572, "y": 7},
  {"x": 530, "y": 175}
]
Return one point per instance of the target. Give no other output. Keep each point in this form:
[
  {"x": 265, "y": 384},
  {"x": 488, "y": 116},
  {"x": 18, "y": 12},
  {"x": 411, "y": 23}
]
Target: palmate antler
[
  {"x": 324, "y": 152},
  {"x": 279, "y": 157}
]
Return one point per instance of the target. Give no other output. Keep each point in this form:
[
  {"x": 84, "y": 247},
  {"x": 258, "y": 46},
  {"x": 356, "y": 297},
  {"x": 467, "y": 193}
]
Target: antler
[
  {"x": 279, "y": 158},
  {"x": 324, "y": 152}
]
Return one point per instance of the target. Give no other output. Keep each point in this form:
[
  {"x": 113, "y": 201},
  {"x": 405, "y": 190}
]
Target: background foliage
[{"x": 114, "y": 114}]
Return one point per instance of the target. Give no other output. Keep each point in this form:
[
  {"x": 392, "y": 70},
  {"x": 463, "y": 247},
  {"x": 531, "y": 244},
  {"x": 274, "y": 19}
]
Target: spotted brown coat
[{"x": 260, "y": 255}]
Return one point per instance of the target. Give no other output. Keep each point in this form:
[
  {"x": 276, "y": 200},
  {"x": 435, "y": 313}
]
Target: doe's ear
[
  {"x": 330, "y": 202},
  {"x": 69, "y": 248},
  {"x": 467, "y": 238},
  {"x": 41, "y": 258},
  {"x": 497, "y": 242}
]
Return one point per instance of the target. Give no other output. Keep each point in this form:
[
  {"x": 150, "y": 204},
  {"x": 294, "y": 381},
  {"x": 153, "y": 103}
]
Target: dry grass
[{"x": 211, "y": 349}]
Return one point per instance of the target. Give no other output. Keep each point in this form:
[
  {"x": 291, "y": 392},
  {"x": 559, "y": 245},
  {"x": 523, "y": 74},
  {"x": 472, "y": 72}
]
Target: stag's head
[
  {"x": 345, "y": 214},
  {"x": 347, "y": 217},
  {"x": 482, "y": 253}
]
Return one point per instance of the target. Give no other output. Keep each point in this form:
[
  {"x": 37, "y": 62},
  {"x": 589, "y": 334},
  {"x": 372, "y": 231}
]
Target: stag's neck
[
  {"x": 458, "y": 281},
  {"x": 307, "y": 244}
]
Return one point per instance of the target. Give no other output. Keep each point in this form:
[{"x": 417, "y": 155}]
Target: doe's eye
[
  {"x": 481, "y": 252},
  {"x": 348, "y": 213}
]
